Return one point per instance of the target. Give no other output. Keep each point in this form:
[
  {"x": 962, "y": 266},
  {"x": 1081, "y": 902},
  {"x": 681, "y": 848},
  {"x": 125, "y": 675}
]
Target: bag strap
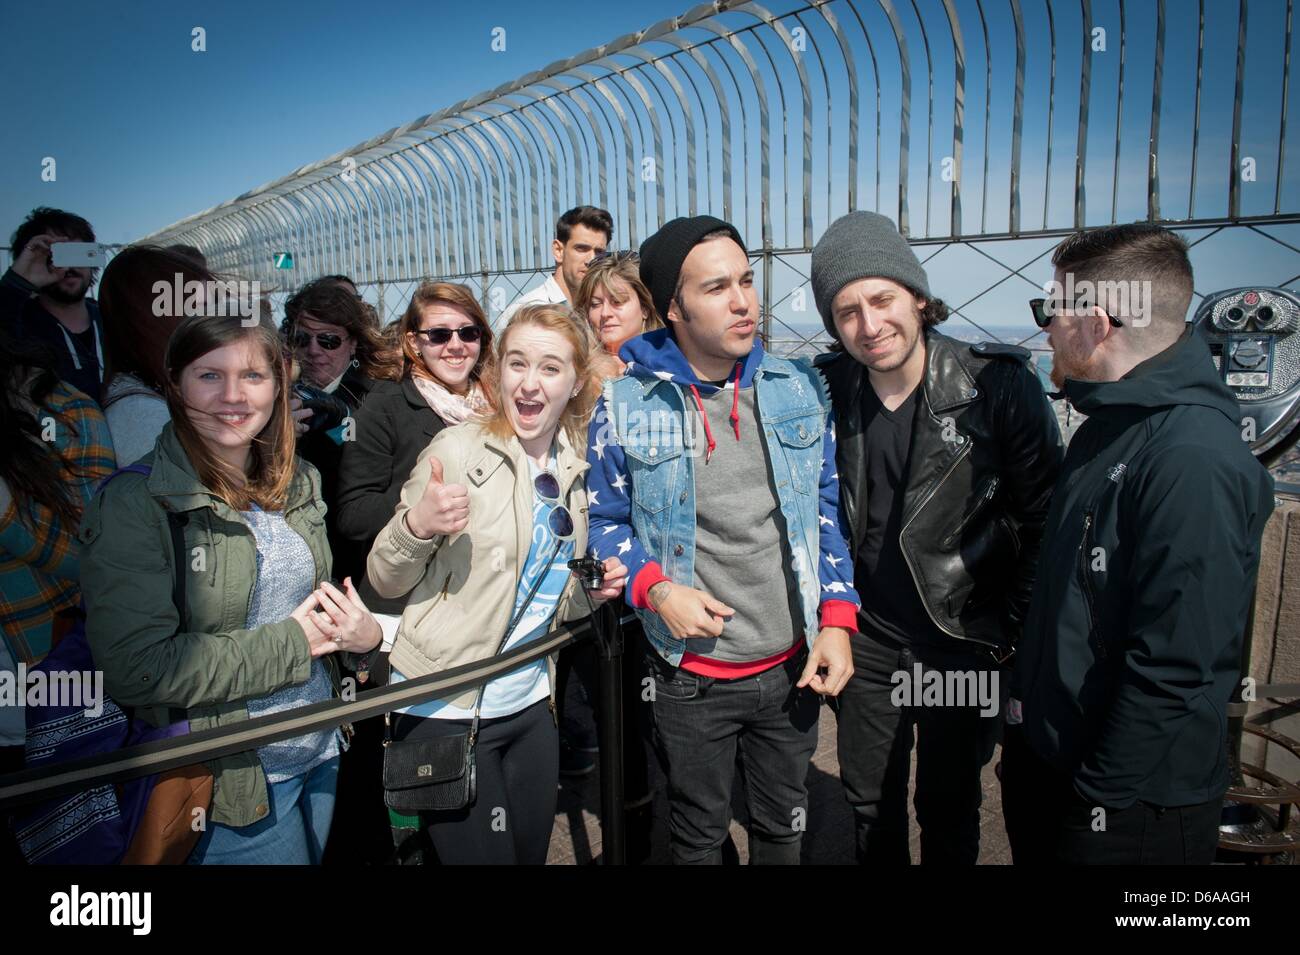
[{"x": 519, "y": 615}]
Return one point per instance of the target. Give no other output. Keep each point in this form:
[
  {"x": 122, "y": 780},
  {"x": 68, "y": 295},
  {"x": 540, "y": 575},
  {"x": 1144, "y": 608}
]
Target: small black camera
[
  {"x": 328, "y": 411},
  {"x": 590, "y": 571}
]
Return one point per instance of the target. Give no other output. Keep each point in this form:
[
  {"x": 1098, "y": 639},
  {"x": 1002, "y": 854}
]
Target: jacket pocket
[
  {"x": 1085, "y": 586},
  {"x": 800, "y": 437},
  {"x": 985, "y": 498},
  {"x": 680, "y": 687},
  {"x": 654, "y": 474}
]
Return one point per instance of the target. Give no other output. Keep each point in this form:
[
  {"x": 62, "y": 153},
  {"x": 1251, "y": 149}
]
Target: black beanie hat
[{"x": 664, "y": 252}]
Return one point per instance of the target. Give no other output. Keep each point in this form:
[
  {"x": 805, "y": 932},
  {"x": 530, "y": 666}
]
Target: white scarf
[{"x": 451, "y": 408}]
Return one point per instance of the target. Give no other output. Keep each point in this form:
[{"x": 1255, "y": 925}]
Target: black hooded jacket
[{"x": 1132, "y": 642}]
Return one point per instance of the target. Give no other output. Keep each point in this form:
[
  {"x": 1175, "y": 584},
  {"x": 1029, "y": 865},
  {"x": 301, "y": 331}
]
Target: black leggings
[{"x": 518, "y": 769}]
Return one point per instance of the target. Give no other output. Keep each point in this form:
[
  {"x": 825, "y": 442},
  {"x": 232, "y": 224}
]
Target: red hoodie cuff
[
  {"x": 647, "y": 577},
  {"x": 840, "y": 613}
]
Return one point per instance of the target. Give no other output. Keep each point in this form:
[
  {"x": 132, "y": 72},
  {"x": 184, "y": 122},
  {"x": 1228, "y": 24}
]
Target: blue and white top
[
  {"x": 520, "y": 688},
  {"x": 285, "y": 578}
]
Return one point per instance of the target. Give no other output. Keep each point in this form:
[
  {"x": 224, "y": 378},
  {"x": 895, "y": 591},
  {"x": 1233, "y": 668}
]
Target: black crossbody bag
[{"x": 438, "y": 773}]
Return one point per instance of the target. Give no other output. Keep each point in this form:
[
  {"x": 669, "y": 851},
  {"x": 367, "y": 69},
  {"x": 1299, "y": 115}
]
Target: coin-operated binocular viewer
[{"x": 1254, "y": 336}]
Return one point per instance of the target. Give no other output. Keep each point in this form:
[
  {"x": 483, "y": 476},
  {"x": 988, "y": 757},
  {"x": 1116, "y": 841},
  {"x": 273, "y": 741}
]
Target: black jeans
[
  {"x": 1049, "y": 823},
  {"x": 875, "y": 747},
  {"x": 699, "y": 723},
  {"x": 518, "y": 770}
]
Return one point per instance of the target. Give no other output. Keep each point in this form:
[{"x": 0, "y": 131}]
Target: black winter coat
[
  {"x": 393, "y": 427},
  {"x": 1132, "y": 643}
]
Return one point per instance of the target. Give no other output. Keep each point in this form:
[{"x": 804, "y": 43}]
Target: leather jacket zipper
[
  {"x": 908, "y": 557},
  {"x": 1086, "y": 584},
  {"x": 985, "y": 498}
]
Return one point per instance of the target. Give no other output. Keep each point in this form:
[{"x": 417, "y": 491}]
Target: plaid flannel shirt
[{"x": 39, "y": 571}]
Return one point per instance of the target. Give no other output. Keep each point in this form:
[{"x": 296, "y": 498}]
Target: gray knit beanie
[{"x": 862, "y": 245}]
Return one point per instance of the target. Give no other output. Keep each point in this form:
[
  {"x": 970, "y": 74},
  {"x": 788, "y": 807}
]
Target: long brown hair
[
  {"x": 267, "y": 482},
  {"x": 577, "y": 412},
  {"x": 137, "y": 320},
  {"x": 457, "y": 296},
  {"x": 35, "y": 470},
  {"x": 326, "y": 300}
]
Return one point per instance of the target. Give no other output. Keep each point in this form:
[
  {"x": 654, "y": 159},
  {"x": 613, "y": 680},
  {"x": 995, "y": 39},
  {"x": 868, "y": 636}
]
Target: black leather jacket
[{"x": 984, "y": 458}]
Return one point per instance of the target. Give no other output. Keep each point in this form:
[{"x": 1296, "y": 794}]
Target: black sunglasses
[
  {"x": 547, "y": 486},
  {"x": 1043, "y": 317},
  {"x": 326, "y": 340},
  {"x": 440, "y": 336}
]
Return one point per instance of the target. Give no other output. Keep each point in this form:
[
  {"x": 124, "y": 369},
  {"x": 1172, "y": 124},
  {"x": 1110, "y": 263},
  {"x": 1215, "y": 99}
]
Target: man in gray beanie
[{"x": 947, "y": 456}]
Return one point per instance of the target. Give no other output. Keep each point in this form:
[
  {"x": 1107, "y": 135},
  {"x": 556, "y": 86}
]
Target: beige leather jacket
[{"x": 462, "y": 588}]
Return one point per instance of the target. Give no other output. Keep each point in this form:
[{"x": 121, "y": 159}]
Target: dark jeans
[
  {"x": 360, "y": 834},
  {"x": 1048, "y": 823},
  {"x": 700, "y": 723},
  {"x": 518, "y": 769},
  {"x": 875, "y": 747}
]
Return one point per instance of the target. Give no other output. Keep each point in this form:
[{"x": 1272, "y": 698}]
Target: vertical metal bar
[
  {"x": 958, "y": 115},
  {"x": 905, "y": 117},
  {"x": 1234, "y": 178},
  {"x": 1051, "y": 108},
  {"x": 1281, "y": 133},
  {"x": 1119, "y": 115},
  {"x": 1085, "y": 103},
  {"x": 851, "y": 71},
  {"x": 1153, "y": 141},
  {"x": 875, "y": 79},
  {"x": 1196, "y": 116},
  {"x": 929, "y": 116},
  {"x": 1017, "y": 121},
  {"x": 633, "y": 80},
  {"x": 988, "y": 111}
]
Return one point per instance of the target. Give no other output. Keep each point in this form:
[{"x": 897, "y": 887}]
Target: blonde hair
[
  {"x": 601, "y": 276},
  {"x": 554, "y": 318}
]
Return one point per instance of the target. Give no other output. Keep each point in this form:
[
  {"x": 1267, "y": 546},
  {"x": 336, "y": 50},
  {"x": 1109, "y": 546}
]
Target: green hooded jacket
[{"x": 207, "y": 664}]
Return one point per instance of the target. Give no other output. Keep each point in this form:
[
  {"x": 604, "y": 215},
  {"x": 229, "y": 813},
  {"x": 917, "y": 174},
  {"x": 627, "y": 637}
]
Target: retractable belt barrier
[{"x": 34, "y": 785}]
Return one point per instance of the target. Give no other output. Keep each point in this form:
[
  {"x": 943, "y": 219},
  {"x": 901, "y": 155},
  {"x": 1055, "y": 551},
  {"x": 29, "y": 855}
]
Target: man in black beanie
[
  {"x": 713, "y": 479},
  {"x": 947, "y": 457}
]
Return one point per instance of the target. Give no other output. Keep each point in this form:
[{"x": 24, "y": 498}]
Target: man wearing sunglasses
[
  {"x": 580, "y": 234},
  {"x": 1115, "y": 748},
  {"x": 947, "y": 456}
]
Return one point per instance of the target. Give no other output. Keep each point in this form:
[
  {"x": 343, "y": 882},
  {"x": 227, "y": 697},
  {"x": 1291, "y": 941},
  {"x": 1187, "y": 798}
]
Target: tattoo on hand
[{"x": 657, "y": 594}]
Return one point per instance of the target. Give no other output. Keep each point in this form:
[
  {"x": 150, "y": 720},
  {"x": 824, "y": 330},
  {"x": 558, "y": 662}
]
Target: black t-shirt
[
  {"x": 891, "y": 605},
  {"x": 39, "y": 326}
]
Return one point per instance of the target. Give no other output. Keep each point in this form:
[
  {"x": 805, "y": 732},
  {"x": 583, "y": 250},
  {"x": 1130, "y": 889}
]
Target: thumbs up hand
[{"x": 442, "y": 508}]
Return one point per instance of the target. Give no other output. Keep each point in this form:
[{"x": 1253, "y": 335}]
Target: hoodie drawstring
[{"x": 734, "y": 416}]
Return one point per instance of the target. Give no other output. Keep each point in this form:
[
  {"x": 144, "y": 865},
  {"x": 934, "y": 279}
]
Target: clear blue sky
[{"x": 145, "y": 131}]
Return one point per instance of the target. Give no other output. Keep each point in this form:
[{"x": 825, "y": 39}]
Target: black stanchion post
[{"x": 609, "y": 731}]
